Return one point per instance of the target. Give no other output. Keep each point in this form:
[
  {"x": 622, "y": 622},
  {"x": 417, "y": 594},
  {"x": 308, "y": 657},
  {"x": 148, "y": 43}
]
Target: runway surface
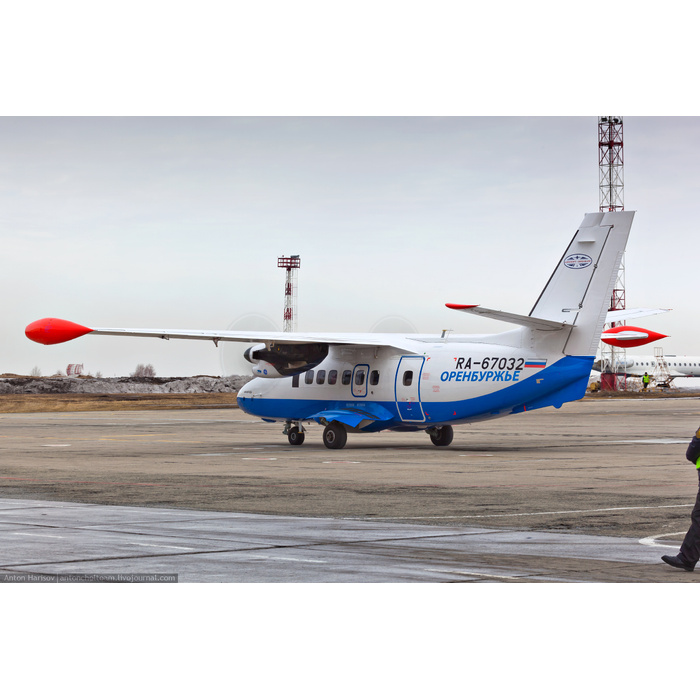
[
  {"x": 596, "y": 491},
  {"x": 46, "y": 542}
]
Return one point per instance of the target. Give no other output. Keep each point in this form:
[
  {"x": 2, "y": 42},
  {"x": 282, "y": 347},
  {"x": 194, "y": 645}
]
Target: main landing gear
[
  {"x": 335, "y": 435},
  {"x": 441, "y": 435}
]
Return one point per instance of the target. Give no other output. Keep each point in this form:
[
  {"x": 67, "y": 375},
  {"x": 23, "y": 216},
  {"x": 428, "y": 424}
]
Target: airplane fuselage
[
  {"x": 447, "y": 383},
  {"x": 678, "y": 365}
]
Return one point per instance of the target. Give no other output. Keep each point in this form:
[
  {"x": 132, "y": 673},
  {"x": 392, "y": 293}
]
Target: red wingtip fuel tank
[
  {"x": 630, "y": 336},
  {"x": 49, "y": 331}
]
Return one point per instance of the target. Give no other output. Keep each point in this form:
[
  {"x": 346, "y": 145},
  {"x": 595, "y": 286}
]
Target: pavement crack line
[
  {"x": 245, "y": 550},
  {"x": 520, "y": 515}
]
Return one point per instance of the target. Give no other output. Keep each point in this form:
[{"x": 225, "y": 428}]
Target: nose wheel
[{"x": 295, "y": 435}]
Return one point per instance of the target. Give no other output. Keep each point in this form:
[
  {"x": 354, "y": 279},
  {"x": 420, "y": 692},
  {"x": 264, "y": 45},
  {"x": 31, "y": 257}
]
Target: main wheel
[
  {"x": 442, "y": 436},
  {"x": 295, "y": 436},
  {"x": 335, "y": 436}
]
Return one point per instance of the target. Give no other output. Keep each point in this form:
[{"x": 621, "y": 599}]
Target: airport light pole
[
  {"x": 611, "y": 189},
  {"x": 291, "y": 264}
]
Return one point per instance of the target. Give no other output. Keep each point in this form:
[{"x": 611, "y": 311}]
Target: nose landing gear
[{"x": 295, "y": 434}]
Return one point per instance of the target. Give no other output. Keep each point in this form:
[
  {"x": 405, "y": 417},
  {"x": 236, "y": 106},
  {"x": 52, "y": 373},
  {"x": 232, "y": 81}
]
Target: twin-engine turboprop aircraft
[{"x": 387, "y": 381}]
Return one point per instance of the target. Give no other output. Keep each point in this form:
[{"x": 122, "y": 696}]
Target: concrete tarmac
[
  {"x": 52, "y": 541},
  {"x": 595, "y": 491}
]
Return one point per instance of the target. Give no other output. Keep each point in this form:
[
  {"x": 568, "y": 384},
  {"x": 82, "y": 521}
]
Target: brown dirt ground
[{"x": 48, "y": 403}]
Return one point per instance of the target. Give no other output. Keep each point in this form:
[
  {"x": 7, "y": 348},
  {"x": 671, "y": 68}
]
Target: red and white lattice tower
[
  {"x": 291, "y": 264},
  {"x": 611, "y": 165}
]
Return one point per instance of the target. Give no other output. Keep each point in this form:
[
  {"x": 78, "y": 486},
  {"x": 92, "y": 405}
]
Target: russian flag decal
[{"x": 535, "y": 364}]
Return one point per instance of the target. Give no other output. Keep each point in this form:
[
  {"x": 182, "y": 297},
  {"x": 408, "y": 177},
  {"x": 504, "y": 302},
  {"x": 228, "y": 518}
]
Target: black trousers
[{"x": 690, "y": 549}]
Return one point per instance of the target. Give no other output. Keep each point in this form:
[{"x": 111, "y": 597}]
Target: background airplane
[
  {"x": 377, "y": 381},
  {"x": 676, "y": 365}
]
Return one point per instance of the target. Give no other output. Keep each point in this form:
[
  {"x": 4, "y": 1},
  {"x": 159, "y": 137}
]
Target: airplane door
[
  {"x": 407, "y": 389},
  {"x": 359, "y": 381}
]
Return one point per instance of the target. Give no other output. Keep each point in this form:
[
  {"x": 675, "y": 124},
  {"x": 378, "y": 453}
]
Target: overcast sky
[{"x": 178, "y": 223}]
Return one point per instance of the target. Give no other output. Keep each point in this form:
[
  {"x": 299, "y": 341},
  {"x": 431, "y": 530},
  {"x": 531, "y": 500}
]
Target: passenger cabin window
[
  {"x": 347, "y": 376},
  {"x": 321, "y": 376},
  {"x": 309, "y": 378},
  {"x": 333, "y": 376},
  {"x": 408, "y": 378},
  {"x": 359, "y": 377},
  {"x": 374, "y": 377},
  {"x": 295, "y": 380}
]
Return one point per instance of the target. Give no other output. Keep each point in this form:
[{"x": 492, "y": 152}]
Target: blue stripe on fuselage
[{"x": 564, "y": 381}]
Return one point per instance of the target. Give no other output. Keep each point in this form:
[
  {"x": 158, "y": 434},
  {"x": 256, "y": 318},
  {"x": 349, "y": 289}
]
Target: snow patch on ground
[{"x": 121, "y": 385}]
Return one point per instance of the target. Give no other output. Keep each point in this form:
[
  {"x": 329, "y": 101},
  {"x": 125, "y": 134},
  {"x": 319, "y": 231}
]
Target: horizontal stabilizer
[{"x": 539, "y": 324}]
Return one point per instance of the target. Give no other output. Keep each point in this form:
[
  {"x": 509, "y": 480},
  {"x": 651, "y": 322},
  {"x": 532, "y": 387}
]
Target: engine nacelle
[
  {"x": 267, "y": 370},
  {"x": 285, "y": 360},
  {"x": 251, "y": 354}
]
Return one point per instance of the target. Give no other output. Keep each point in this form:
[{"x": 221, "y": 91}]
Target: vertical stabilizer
[{"x": 578, "y": 292}]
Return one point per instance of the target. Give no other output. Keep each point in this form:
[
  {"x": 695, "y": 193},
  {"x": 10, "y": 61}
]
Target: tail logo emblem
[{"x": 578, "y": 261}]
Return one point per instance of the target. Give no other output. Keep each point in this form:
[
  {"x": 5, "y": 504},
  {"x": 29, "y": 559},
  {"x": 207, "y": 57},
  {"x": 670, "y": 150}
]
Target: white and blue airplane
[
  {"x": 369, "y": 382},
  {"x": 676, "y": 366}
]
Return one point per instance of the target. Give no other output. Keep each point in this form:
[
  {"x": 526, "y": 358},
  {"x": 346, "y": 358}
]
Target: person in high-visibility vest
[
  {"x": 689, "y": 554},
  {"x": 645, "y": 380}
]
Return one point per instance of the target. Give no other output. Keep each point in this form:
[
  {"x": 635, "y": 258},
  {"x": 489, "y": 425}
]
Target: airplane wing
[
  {"x": 625, "y": 314},
  {"x": 50, "y": 331}
]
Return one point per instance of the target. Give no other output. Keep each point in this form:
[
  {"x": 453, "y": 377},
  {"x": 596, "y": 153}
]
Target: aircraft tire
[
  {"x": 442, "y": 436},
  {"x": 295, "y": 436},
  {"x": 335, "y": 436}
]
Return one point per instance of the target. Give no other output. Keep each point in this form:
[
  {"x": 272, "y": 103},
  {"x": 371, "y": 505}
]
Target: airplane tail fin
[{"x": 579, "y": 290}]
